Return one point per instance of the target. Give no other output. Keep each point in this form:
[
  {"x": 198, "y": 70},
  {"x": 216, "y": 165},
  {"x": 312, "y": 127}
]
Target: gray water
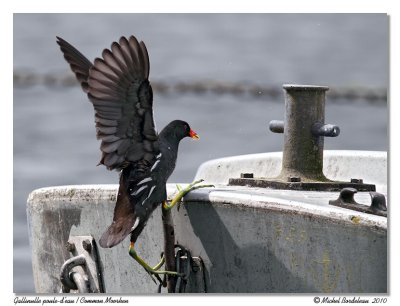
[{"x": 54, "y": 135}]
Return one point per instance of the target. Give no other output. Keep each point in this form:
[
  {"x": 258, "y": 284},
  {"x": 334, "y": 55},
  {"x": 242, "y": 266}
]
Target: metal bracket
[
  {"x": 191, "y": 272},
  {"x": 81, "y": 273},
  {"x": 193, "y": 280},
  {"x": 296, "y": 183},
  {"x": 346, "y": 200}
]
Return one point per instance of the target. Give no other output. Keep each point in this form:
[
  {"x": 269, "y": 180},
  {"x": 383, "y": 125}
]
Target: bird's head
[{"x": 180, "y": 129}]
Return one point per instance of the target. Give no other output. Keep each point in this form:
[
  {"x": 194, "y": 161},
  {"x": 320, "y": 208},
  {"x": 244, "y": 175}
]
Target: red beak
[{"x": 193, "y": 134}]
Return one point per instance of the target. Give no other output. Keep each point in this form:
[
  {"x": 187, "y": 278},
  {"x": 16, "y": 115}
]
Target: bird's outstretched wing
[{"x": 117, "y": 85}]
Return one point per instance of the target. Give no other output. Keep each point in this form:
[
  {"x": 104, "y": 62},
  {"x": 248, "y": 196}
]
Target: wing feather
[
  {"x": 121, "y": 93},
  {"x": 146, "y": 63},
  {"x": 104, "y": 68},
  {"x": 79, "y": 64},
  {"x": 109, "y": 147},
  {"x": 118, "y": 87},
  {"x": 106, "y": 122}
]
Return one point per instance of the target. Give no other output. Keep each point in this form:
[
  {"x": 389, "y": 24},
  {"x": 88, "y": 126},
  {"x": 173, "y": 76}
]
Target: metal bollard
[
  {"x": 304, "y": 129},
  {"x": 304, "y": 132}
]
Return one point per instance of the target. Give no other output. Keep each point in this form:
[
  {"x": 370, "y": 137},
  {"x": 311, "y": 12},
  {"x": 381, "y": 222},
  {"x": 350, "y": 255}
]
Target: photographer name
[{"x": 344, "y": 299}]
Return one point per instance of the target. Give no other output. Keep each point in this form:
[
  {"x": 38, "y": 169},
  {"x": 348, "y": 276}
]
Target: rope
[{"x": 371, "y": 95}]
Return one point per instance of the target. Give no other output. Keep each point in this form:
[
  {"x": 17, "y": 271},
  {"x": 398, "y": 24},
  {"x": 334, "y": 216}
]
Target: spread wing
[{"x": 117, "y": 85}]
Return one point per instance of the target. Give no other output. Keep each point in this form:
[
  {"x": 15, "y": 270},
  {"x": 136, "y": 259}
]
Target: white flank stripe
[
  {"x": 155, "y": 165},
  {"x": 147, "y": 179},
  {"x": 139, "y": 190},
  {"x": 136, "y": 224},
  {"x": 159, "y": 155},
  {"x": 150, "y": 192}
]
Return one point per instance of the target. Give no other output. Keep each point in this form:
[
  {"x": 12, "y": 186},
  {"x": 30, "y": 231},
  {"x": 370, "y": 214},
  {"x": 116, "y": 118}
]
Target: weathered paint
[
  {"x": 250, "y": 239},
  {"x": 343, "y": 165},
  {"x": 250, "y": 243}
]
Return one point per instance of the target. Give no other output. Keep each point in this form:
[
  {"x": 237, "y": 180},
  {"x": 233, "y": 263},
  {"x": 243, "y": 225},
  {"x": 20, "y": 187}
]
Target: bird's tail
[
  {"x": 124, "y": 218},
  {"x": 114, "y": 234}
]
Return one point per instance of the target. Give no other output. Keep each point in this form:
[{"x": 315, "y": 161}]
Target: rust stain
[
  {"x": 328, "y": 279},
  {"x": 355, "y": 219}
]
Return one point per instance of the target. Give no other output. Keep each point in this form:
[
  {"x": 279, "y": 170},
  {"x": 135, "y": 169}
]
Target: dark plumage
[{"x": 118, "y": 87}]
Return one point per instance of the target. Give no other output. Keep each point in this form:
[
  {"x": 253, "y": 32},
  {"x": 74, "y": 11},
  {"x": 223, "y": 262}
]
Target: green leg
[
  {"x": 183, "y": 192},
  {"x": 155, "y": 271},
  {"x": 152, "y": 271}
]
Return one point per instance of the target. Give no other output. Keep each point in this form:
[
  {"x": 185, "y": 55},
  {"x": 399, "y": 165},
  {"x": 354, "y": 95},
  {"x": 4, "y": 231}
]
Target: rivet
[
  {"x": 87, "y": 245},
  {"x": 70, "y": 246}
]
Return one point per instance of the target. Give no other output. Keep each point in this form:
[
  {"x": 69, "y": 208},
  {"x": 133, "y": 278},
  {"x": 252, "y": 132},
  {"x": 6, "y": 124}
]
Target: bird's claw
[
  {"x": 179, "y": 187},
  {"x": 152, "y": 277},
  {"x": 183, "y": 191},
  {"x": 154, "y": 272}
]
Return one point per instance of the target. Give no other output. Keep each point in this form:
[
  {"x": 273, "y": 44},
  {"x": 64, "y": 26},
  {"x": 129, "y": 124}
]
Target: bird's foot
[
  {"x": 155, "y": 271},
  {"x": 182, "y": 192}
]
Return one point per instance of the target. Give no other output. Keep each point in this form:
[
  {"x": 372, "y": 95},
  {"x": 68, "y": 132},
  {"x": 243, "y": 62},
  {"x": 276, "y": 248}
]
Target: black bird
[{"x": 118, "y": 87}]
